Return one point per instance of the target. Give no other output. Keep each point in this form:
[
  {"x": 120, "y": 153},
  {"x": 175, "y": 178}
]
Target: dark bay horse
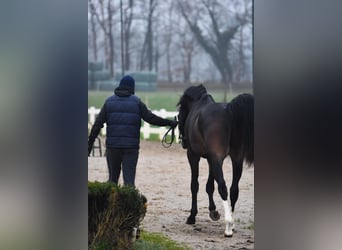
[{"x": 213, "y": 131}]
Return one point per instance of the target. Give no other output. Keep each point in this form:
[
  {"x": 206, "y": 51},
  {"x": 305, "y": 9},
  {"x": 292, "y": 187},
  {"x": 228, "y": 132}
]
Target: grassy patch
[
  {"x": 157, "y": 241},
  {"x": 153, "y": 137},
  {"x": 154, "y": 100},
  {"x": 101, "y": 246},
  {"x": 113, "y": 211},
  {"x": 97, "y": 98},
  {"x": 250, "y": 226}
]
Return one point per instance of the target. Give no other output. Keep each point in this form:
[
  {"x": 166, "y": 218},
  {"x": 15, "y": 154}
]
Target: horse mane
[
  {"x": 191, "y": 94},
  {"x": 241, "y": 109}
]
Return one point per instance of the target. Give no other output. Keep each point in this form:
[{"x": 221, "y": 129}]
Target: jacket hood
[{"x": 123, "y": 91}]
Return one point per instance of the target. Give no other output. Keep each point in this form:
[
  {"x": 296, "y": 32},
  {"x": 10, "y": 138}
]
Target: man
[{"x": 122, "y": 112}]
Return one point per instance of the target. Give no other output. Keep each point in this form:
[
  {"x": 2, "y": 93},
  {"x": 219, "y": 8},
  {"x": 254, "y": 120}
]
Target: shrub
[{"x": 113, "y": 212}]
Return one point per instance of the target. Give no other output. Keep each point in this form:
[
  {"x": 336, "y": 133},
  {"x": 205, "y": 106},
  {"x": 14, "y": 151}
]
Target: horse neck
[{"x": 203, "y": 100}]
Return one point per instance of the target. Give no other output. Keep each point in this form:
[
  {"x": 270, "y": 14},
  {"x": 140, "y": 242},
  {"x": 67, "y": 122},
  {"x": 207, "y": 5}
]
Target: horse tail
[{"x": 241, "y": 109}]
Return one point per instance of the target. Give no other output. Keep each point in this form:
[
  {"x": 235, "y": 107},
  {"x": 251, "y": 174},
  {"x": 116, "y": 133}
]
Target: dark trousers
[{"x": 127, "y": 158}]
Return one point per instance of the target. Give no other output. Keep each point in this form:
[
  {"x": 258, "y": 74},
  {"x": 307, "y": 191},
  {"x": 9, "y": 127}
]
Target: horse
[{"x": 213, "y": 131}]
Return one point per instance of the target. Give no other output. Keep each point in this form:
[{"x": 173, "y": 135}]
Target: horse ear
[{"x": 203, "y": 88}]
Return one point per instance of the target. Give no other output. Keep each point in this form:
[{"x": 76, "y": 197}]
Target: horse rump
[{"x": 241, "y": 111}]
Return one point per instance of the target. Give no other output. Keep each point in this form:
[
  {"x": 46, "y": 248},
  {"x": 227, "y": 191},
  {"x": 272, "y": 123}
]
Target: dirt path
[{"x": 163, "y": 176}]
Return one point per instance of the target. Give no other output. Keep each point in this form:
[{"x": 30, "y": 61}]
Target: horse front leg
[{"x": 193, "y": 160}]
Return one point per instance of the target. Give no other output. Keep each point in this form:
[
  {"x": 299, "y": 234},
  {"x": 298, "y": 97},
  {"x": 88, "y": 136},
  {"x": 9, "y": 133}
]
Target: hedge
[
  {"x": 113, "y": 212},
  {"x": 95, "y": 66}
]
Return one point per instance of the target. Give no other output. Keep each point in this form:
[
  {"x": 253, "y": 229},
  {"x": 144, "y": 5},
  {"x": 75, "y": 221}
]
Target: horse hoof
[
  {"x": 191, "y": 221},
  {"x": 214, "y": 215},
  {"x": 228, "y": 232},
  {"x": 229, "y": 235}
]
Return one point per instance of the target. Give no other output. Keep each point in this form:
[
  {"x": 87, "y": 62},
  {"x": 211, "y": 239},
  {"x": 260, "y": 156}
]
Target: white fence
[{"x": 146, "y": 129}]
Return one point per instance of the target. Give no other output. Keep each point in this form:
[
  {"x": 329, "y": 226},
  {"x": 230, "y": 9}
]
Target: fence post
[
  {"x": 146, "y": 131},
  {"x": 92, "y": 112}
]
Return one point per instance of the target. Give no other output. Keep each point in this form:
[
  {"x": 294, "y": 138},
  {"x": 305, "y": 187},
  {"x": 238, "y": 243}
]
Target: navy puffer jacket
[{"x": 123, "y": 121}]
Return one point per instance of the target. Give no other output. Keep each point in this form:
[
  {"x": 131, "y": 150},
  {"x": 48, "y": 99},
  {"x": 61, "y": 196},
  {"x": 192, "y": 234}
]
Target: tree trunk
[
  {"x": 168, "y": 41},
  {"x": 168, "y": 63},
  {"x": 188, "y": 67},
  {"x": 122, "y": 40},
  {"x": 110, "y": 39},
  {"x": 111, "y": 53},
  {"x": 106, "y": 51},
  {"x": 241, "y": 57},
  {"x": 93, "y": 28},
  {"x": 150, "y": 46},
  {"x": 128, "y": 24},
  {"x": 147, "y": 50},
  {"x": 156, "y": 57},
  {"x": 101, "y": 21},
  {"x": 149, "y": 35},
  {"x": 142, "y": 57},
  {"x": 127, "y": 51}
]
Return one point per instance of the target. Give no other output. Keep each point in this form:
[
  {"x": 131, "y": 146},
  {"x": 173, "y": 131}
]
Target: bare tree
[
  {"x": 110, "y": 37},
  {"x": 217, "y": 40},
  {"x": 147, "y": 49},
  {"x": 106, "y": 23},
  {"x": 165, "y": 36},
  {"x": 156, "y": 54},
  {"x": 187, "y": 47},
  {"x": 168, "y": 41},
  {"x": 92, "y": 11},
  {"x": 122, "y": 39},
  {"x": 101, "y": 19},
  {"x": 128, "y": 14},
  {"x": 241, "y": 45}
]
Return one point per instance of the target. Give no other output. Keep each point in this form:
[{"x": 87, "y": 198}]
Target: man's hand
[{"x": 173, "y": 124}]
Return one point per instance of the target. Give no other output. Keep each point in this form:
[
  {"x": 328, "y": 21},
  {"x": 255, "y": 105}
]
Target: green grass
[
  {"x": 154, "y": 100},
  {"x": 251, "y": 226},
  {"x": 149, "y": 241},
  {"x": 153, "y": 137},
  {"x": 157, "y": 241}
]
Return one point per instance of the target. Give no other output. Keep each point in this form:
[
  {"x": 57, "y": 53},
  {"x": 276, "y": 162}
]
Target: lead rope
[{"x": 165, "y": 143}]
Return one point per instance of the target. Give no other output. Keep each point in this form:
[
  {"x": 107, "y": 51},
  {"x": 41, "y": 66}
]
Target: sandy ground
[{"x": 163, "y": 176}]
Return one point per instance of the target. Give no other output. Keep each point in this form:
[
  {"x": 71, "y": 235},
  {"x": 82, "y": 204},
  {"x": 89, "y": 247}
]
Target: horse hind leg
[
  {"x": 228, "y": 217},
  {"x": 222, "y": 188},
  {"x": 213, "y": 214},
  {"x": 234, "y": 188}
]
